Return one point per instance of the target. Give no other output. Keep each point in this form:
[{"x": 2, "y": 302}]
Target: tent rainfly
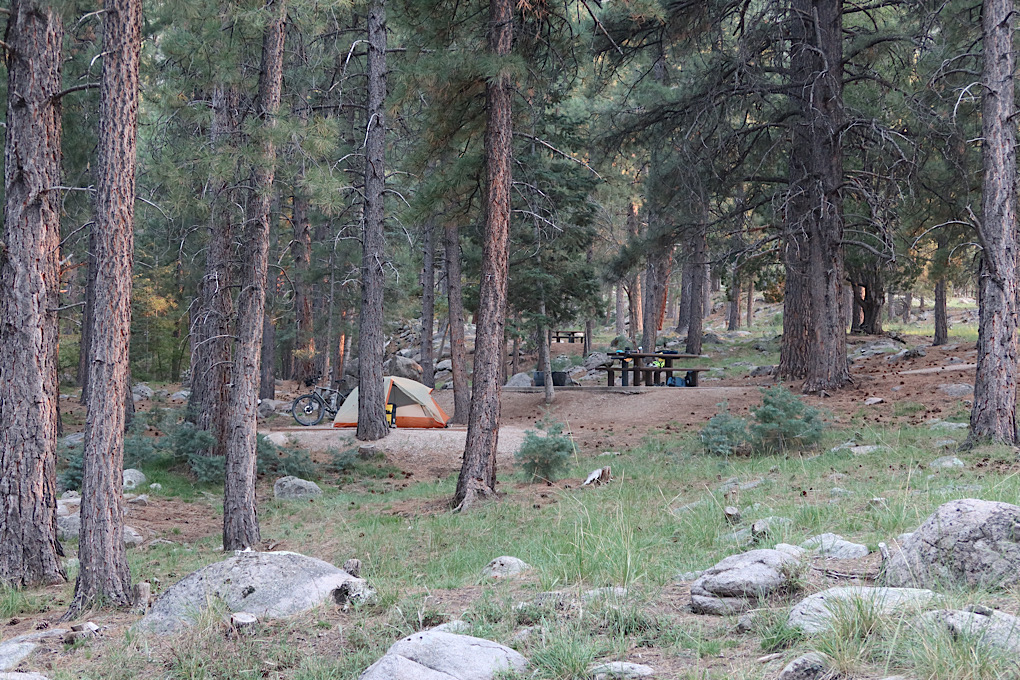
[{"x": 411, "y": 400}]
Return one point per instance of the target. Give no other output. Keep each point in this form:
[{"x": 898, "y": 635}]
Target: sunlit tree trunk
[{"x": 29, "y": 297}]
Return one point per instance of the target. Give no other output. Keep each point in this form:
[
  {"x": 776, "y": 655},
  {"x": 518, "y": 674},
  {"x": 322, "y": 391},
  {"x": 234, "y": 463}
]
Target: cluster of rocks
[{"x": 69, "y": 509}]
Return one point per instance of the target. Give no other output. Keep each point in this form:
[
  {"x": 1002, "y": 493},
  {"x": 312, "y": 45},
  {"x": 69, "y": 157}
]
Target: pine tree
[
  {"x": 29, "y": 297},
  {"x": 104, "y": 573}
]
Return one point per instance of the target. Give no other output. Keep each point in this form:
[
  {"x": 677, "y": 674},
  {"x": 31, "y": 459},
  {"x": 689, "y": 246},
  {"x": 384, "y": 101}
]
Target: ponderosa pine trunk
[
  {"x": 635, "y": 290},
  {"x": 428, "y": 304},
  {"x": 477, "y": 478},
  {"x": 306, "y": 371},
  {"x": 814, "y": 335},
  {"x": 455, "y": 324},
  {"x": 372, "y": 423},
  {"x": 733, "y": 313},
  {"x": 621, "y": 310},
  {"x": 698, "y": 257},
  {"x": 29, "y": 297},
  {"x": 212, "y": 328},
  {"x": 941, "y": 318},
  {"x": 104, "y": 576},
  {"x": 750, "y": 302},
  {"x": 240, "y": 516},
  {"x": 683, "y": 310},
  {"x": 993, "y": 416}
]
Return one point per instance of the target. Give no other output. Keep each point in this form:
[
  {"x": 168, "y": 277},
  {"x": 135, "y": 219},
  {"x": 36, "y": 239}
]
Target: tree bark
[
  {"x": 428, "y": 304},
  {"x": 908, "y": 303},
  {"x": 621, "y": 310},
  {"x": 750, "y": 301},
  {"x": 814, "y": 335},
  {"x": 305, "y": 370},
  {"x": 993, "y": 415},
  {"x": 733, "y": 316},
  {"x": 544, "y": 359},
  {"x": 635, "y": 290},
  {"x": 683, "y": 312},
  {"x": 104, "y": 574},
  {"x": 477, "y": 478},
  {"x": 267, "y": 363},
  {"x": 240, "y": 517},
  {"x": 699, "y": 262},
  {"x": 29, "y": 297},
  {"x": 458, "y": 347},
  {"x": 212, "y": 324},
  {"x": 941, "y": 319},
  {"x": 372, "y": 423}
]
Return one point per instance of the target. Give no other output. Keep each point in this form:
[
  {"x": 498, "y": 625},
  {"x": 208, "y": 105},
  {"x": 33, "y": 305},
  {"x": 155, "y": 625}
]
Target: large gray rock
[
  {"x": 290, "y": 488},
  {"x": 738, "y": 582},
  {"x": 445, "y": 365},
  {"x": 73, "y": 440},
  {"x": 402, "y": 367},
  {"x": 268, "y": 585},
  {"x": 987, "y": 626},
  {"x": 437, "y": 655},
  {"x": 966, "y": 542},
  {"x": 947, "y": 462},
  {"x": 835, "y": 546},
  {"x": 133, "y": 479},
  {"x": 520, "y": 380},
  {"x": 15, "y": 650},
  {"x": 814, "y": 614},
  {"x": 596, "y": 360},
  {"x": 505, "y": 567},
  {"x": 808, "y": 667}
]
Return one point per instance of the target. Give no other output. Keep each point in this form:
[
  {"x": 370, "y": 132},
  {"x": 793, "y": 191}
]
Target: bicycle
[{"x": 309, "y": 409}]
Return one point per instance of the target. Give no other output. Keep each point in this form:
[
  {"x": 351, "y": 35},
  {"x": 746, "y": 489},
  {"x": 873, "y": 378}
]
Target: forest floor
[{"x": 659, "y": 518}]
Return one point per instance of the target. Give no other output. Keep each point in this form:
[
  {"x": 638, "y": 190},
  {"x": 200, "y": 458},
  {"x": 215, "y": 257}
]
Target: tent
[{"x": 412, "y": 402}]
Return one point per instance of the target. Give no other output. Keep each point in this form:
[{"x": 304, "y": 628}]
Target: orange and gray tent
[{"x": 412, "y": 402}]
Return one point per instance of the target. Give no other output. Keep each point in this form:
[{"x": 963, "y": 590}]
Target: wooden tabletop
[{"x": 651, "y": 355}]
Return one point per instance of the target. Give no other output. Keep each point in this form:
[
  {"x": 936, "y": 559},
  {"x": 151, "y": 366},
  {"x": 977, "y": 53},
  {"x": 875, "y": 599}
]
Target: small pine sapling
[
  {"x": 725, "y": 433},
  {"x": 784, "y": 422},
  {"x": 544, "y": 456}
]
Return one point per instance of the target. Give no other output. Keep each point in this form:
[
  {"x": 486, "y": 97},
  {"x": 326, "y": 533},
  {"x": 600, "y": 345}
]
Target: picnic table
[
  {"x": 568, "y": 336},
  {"x": 634, "y": 370}
]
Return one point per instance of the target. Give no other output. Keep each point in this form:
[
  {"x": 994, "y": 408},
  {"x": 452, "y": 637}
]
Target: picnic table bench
[
  {"x": 633, "y": 371},
  {"x": 568, "y": 336}
]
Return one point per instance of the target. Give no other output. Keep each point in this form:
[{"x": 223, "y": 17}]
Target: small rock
[
  {"x": 182, "y": 395},
  {"x": 731, "y": 514},
  {"x": 839, "y": 491},
  {"x": 520, "y": 380},
  {"x": 456, "y": 626},
  {"x": 505, "y": 567},
  {"x": 738, "y": 582},
  {"x": 814, "y": 613},
  {"x": 243, "y": 622},
  {"x": 276, "y": 438},
  {"x": 957, "y": 390},
  {"x": 139, "y": 500},
  {"x": 834, "y": 546},
  {"x": 872, "y": 401},
  {"x": 878, "y": 502},
  {"x": 768, "y": 526},
  {"x": 73, "y": 440},
  {"x": 132, "y": 539},
  {"x": 946, "y": 443},
  {"x": 687, "y": 576},
  {"x": 291, "y": 488},
  {"x": 353, "y": 567},
  {"x": 745, "y": 624},
  {"x": 937, "y": 424},
  {"x": 864, "y": 450},
  {"x": 445, "y": 365},
  {"x": 762, "y": 371},
  {"x": 133, "y": 478},
  {"x": 522, "y": 635},
  {"x": 608, "y": 593},
  {"x": 142, "y": 391},
  {"x": 808, "y": 667},
  {"x": 621, "y": 670},
  {"x": 946, "y": 462},
  {"x": 368, "y": 452}
]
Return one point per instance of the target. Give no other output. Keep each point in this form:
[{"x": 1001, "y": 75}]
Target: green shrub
[
  {"x": 342, "y": 462},
  {"x": 74, "y": 467},
  {"x": 543, "y": 456},
  {"x": 724, "y": 434},
  {"x": 208, "y": 469},
  {"x": 781, "y": 423},
  {"x": 784, "y": 422},
  {"x": 284, "y": 462}
]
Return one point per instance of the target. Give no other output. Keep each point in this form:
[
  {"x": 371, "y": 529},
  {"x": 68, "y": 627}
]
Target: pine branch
[{"x": 76, "y": 88}]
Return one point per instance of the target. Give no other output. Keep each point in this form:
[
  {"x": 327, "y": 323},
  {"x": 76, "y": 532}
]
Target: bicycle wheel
[{"x": 308, "y": 409}]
